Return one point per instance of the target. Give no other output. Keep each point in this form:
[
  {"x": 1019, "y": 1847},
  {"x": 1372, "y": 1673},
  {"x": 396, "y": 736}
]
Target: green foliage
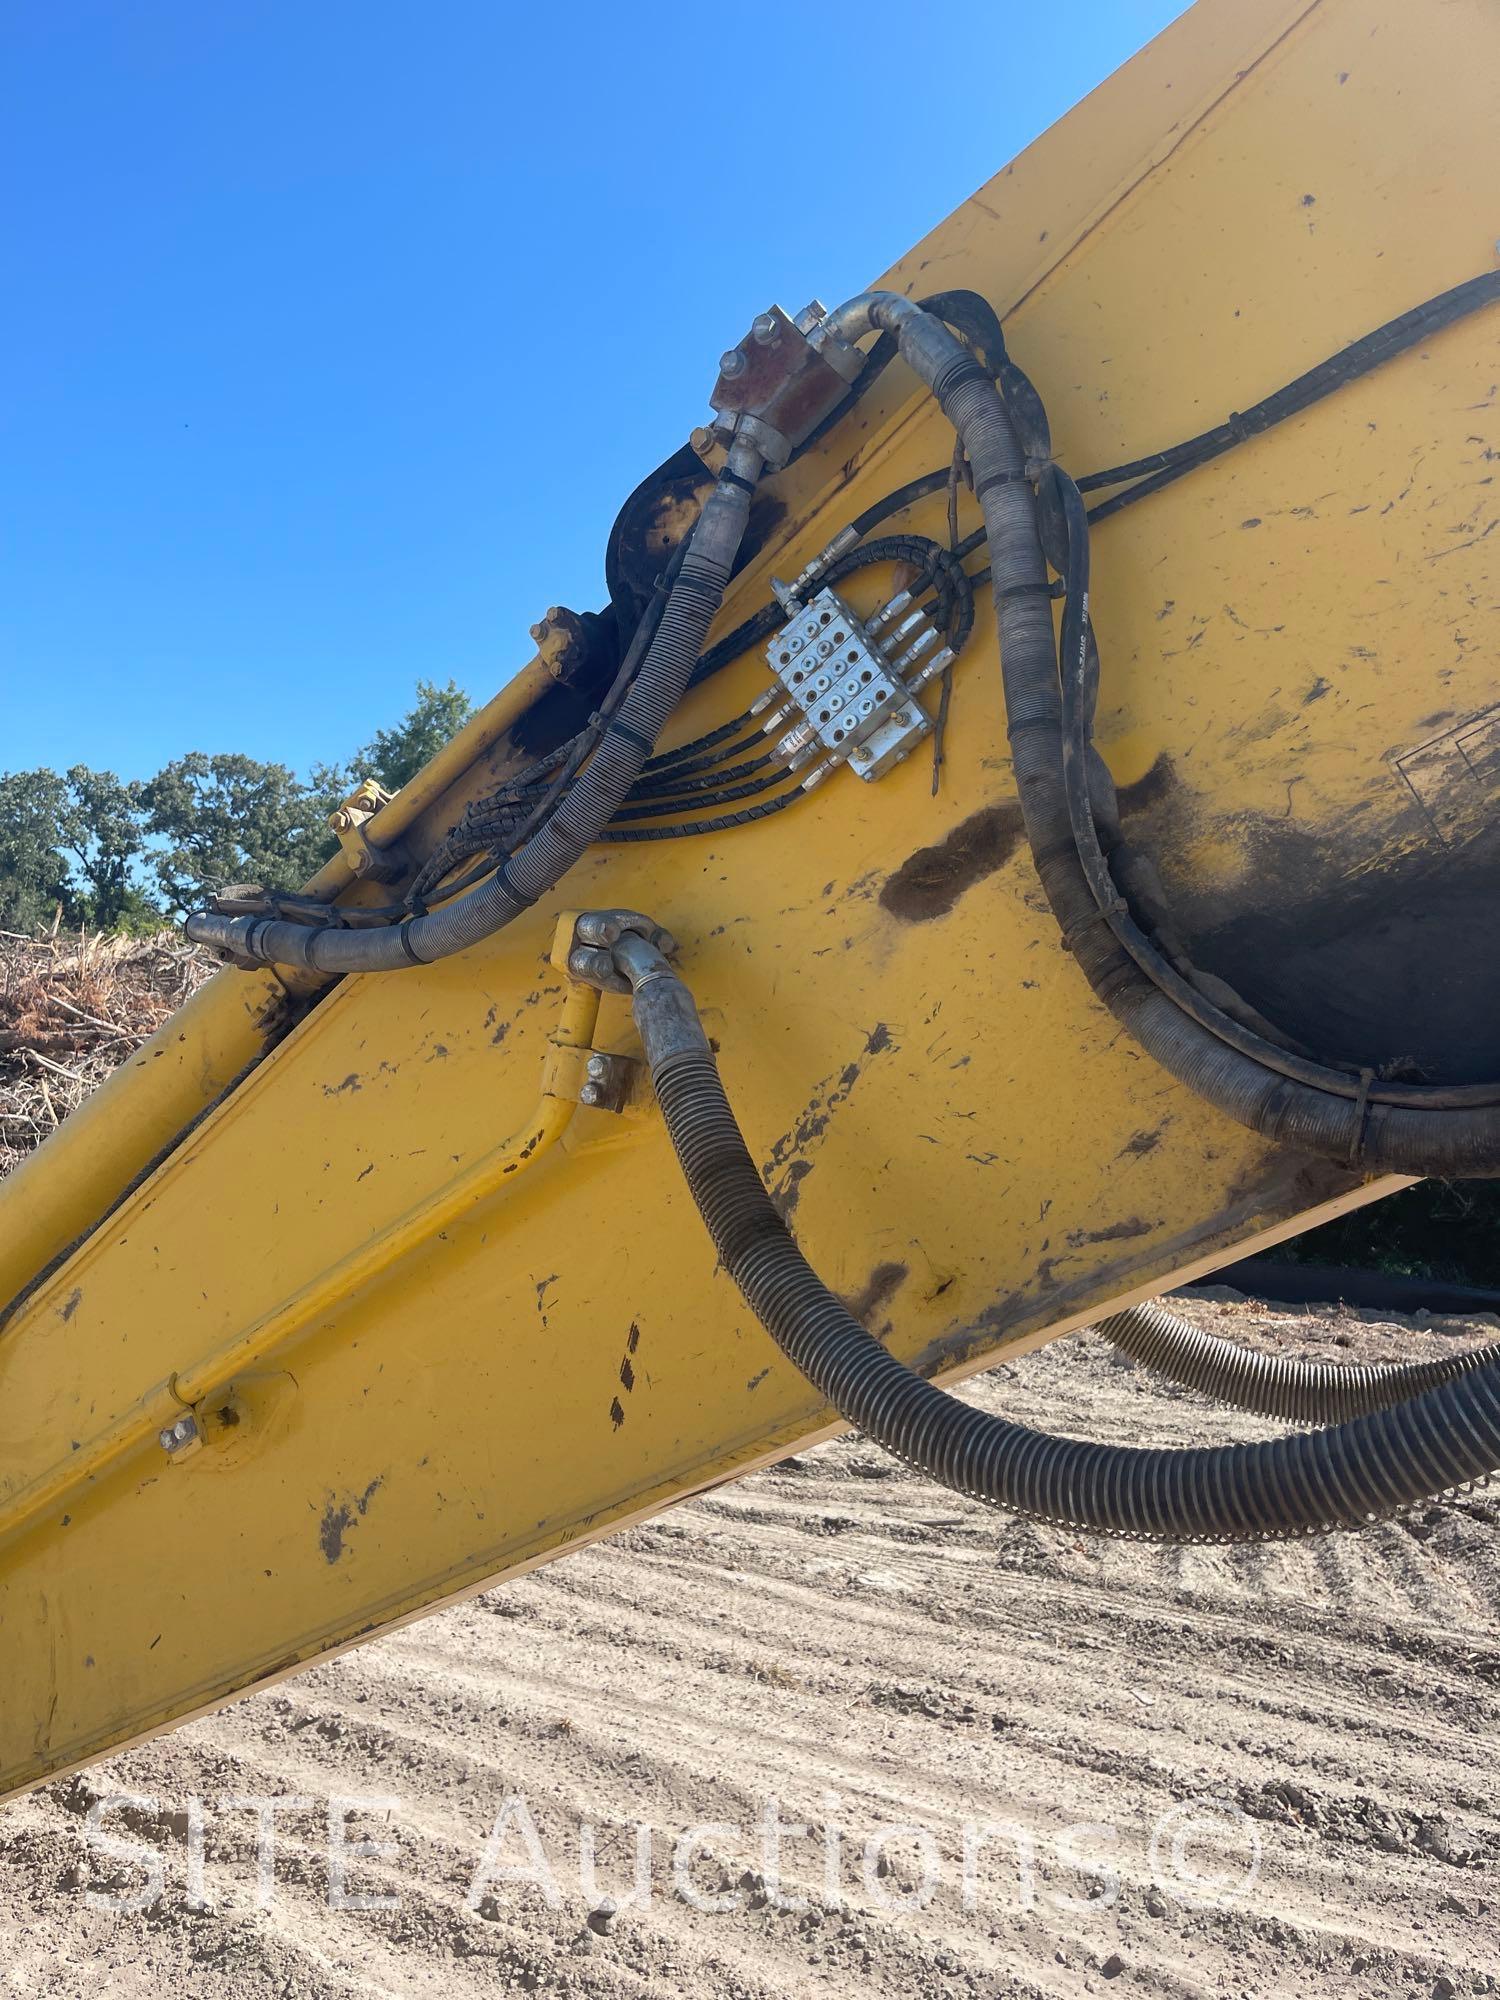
[
  {"x": 115, "y": 855},
  {"x": 1445, "y": 1230},
  {"x": 103, "y": 834},
  {"x": 395, "y": 756},
  {"x": 229, "y": 819},
  {"x": 36, "y": 824}
]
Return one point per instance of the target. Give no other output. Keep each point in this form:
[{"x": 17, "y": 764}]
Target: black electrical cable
[
  {"x": 684, "y": 785},
  {"x": 904, "y": 496},
  {"x": 620, "y": 835},
  {"x": 722, "y": 795},
  {"x": 951, "y": 613},
  {"x": 1061, "y": 783},
  {"x": 1159, "y": 469},
  {"x": 488, "y": 823},
  {"x": 1082, "y": 778},
  {"x": 771, "y": 617},
  {"x": 975, "y": 320},
  {"x": 709, "y": 741}
]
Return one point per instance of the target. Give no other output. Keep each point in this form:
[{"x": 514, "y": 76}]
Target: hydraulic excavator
[{"x": 1020, "y": 833}]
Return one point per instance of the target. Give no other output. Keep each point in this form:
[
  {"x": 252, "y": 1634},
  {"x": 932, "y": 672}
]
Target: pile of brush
[{"x": 72, "y": 1008}]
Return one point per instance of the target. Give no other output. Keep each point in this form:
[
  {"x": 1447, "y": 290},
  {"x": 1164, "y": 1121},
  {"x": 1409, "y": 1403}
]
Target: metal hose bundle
[
  {"x": 1276, "y": 1385},
  {"x": 1348, "y": 1476}
]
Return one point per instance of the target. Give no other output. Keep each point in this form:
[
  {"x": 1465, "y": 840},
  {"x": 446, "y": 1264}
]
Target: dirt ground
[{"x": 1192, "y": 1771}]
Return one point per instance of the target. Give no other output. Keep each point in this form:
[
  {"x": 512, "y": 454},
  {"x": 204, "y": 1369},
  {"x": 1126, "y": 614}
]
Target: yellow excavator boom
[{"x": 350, "y": 1295}]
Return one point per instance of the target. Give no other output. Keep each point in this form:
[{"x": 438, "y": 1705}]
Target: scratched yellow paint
[{"x": 960, "y": 1129}]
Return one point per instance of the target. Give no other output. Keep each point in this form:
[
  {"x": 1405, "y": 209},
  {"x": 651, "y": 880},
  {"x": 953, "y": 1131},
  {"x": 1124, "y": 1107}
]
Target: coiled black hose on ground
[
  {"x": 1348, "y": 1476},
  {"x": 1276, "y": 1385}
]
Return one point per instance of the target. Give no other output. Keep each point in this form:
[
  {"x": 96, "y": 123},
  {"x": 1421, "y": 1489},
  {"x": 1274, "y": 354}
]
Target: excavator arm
[{"x": 1020, "y": 835}]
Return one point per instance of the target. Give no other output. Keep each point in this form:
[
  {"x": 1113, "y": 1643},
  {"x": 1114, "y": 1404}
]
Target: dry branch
[{"x": 71, "y": 1009}]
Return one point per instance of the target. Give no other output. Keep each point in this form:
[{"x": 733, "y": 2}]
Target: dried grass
[{"x": 72, "y": 1008}]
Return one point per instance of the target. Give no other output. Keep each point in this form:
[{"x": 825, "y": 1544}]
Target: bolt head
[
  {"x": 598, "y": 1067},
  {"x": 763, "y": 329},
  {"x": 903, "y": 716},
  {"x": 733, "y": 363},
  {"x": 590, "y": 1094},
  {"x": 178, "y": 1434},
  {"x": 862, "y": 754}
]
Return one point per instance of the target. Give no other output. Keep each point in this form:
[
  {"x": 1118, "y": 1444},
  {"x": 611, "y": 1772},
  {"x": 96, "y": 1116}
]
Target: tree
[
  {"x": 395, "y": 756},
  {"x": 104, "y": 835},
  {"x": 231, "y": 819},
  {"x": 37, "y": 819},
  {"x": 99, "y": 848}
]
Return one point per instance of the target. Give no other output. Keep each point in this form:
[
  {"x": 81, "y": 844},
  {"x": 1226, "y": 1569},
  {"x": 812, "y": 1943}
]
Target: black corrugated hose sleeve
[
  {"x": 591, "y": 802},
  {"x": 1344, "y": 1477},
  {"x": 1276, "y": 1385},
  {"x": 1456, "y": 1142}
]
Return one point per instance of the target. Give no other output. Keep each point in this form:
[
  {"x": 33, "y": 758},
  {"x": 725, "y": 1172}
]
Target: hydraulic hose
[
  {"x": 1276, "y": 1385},
  {"x": 1363, "y": 1123},
  {"x": 1345, "y": 1477},
  {"x": 591, "y": 801}
]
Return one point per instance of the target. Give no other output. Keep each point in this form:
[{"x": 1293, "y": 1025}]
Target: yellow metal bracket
[{"x": 351, "y": 821}]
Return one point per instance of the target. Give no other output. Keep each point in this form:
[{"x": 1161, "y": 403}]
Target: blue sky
[{"x": 335, "y": 333}]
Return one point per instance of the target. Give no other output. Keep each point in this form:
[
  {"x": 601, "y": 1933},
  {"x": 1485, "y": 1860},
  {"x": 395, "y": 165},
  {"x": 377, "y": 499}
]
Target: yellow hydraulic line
[{"x": 169, "y": 1399}]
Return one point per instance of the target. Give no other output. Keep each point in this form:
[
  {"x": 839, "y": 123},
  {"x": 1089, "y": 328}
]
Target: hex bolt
[
  {"x": 903, "y": 716},
  {"x": 862, "y": 754},
  {"x": 590, "y": 1094},
  {"x": 763, "y": 329},
  {"x": 733, "y": 363},
  {"x": 181, "y": 1433},
  {"x": 598, "y": 1067}
]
